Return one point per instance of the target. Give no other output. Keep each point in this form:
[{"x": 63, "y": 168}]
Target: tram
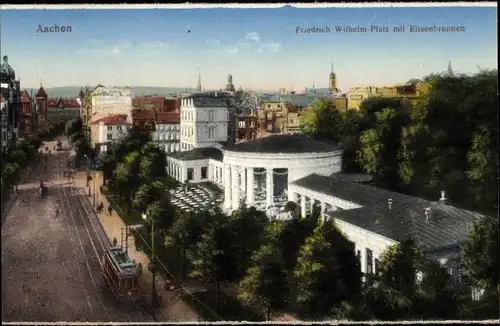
[{"x": 120, "y": 271}]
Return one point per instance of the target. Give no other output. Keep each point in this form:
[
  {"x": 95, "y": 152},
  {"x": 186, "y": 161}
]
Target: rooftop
[
  {"x": 168, "y": 117},
  {"x": 405, "y": 217},
  {"x": 119, "y": 119},
  {"x": 198, "y": 154},
  {"x": 211, "y": 94},
  {"x": 125, "y": 266},
  {"x": 283, "y": 143}
]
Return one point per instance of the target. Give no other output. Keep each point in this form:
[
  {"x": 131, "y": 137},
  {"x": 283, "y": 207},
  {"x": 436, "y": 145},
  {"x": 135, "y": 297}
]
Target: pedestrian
[
  {"x": 110, "y": 210},
  {"x": 115, "y": 242}
]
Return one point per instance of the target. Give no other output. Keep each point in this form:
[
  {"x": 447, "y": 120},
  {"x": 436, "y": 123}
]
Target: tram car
[{"x": 120, "y": 271}]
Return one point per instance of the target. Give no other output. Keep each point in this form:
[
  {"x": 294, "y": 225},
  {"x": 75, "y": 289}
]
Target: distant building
[
  {"x": 412, "y": 92},
  {"x": 108, "y": 130},
  {"x": 158, "y": 103},
  {"x": 110, "y": 101}
]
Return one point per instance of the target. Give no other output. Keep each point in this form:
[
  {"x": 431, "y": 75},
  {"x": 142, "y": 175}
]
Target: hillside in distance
[{"x": 72, "y": 91}]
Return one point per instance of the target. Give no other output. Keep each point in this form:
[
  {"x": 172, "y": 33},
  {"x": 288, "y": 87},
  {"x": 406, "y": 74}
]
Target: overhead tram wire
[
  {"x": 168, "y": 271},
  {"x": 63, "y": 208},
  {"x": 115, "y": 294},
  {"x": 83, "y": 252}
]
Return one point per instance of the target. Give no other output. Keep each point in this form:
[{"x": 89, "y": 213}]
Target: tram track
[
  {"x": 96, "y": 226},
  {"x": 90, "y": 257}
]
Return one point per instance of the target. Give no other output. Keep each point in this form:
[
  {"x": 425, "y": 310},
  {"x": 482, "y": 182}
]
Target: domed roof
[{"x": 288, "y": 143}]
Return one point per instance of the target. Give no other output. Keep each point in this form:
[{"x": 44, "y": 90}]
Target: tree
[
  {"x": 212, "y": 257},
  {"x": 18, "y": 156},
  {"x": 322, "y": 121},
  {"x": 126, "y": 177},
  {"x": 73, "y": 126},
  {"x": 265, "y": 285},
  {"x": 435, "y": 298},
  {"x": 480, "y": 255},
  {"x": 399, "y": 265},
  {"x": 483, "y": 169},
  {"x": 247, "y": 226},
  {"x": 327, "y": 271},
  {"x": 186, "y": 232}
]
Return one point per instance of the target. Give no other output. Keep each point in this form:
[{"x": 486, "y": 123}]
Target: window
[
  {"x": 119, "y": 128},
  {"x": 369, "y": 261},
  {"x": 241, "y": 124},
  {"x": 211, "y": 132},
  {"x": 110, "y": 128},
  {"x": 377, "y": 267},
  {"x": 190, "y": 173},
  {"x": 211, "y": 116},
  {"x": 252, "y": 124},
  {"x": 110, "y": 137},
  {"x": 358, "y": 255},
  {"x": 270, "y": 127},
  {"x": 204, "y": 170}
]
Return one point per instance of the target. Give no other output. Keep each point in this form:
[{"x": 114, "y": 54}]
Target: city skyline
[{"x": 260, "y": 48}]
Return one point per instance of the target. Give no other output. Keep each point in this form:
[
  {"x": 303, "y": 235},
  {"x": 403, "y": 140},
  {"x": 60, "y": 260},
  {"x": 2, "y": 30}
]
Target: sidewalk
[{"x": 173, "y": 308}]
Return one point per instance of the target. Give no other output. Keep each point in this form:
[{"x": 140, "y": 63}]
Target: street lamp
[{"x": 152, "y": 265}]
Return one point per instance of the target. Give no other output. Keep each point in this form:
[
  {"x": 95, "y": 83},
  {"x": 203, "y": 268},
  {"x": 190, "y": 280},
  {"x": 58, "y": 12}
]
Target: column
[
  {"x": 235, "y": 182},
  {"x": 302, "y": 206},
  {"x": 323, "y": 209},
  {"x": 250, "y": 190},
  {"x": 269, "y": 186},
  {"x": 227, "y": 186},
  {"x": 243, "y": 187}
]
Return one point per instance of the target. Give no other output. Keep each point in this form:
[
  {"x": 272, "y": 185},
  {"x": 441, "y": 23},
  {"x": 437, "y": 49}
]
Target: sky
[{"x": 260, "y": 48}]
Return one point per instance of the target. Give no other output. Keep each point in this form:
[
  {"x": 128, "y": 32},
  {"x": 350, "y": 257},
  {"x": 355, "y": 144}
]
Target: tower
[
  {"x": 41, "y": 104},
  {"x": 198, "y": 86},
  {"x": 450, "y": 70},
  {"x": 332, "y": 80}
]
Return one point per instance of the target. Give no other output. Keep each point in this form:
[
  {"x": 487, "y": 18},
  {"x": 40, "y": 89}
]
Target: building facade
[
  {"x": 167, "y": 134},
  {"x": 204, "y": 119},
  {"x": 108, "y": 130},
  {"x": 11, "y": 104},
  {"x": 110, "y": 101},
  {"x": 412, "y": 92}
]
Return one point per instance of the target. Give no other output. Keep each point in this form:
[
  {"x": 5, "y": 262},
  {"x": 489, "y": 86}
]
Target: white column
[
  {"x": 227, "y": 186},
  {"x": 323, "y": 209},
  {"x": 235, "y": 195},
  {"x": 243, "y": 187},
  {"x": 303, "y": 206},
  {"x": 250, "y": 191},
  {"x": 269, "y": 187}
]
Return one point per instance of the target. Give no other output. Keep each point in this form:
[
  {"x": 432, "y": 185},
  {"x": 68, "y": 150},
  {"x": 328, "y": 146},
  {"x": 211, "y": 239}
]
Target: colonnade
[{"x": 239, "y": 185}]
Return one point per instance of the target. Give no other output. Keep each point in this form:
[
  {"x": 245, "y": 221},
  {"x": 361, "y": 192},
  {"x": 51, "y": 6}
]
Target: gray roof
[
  {"x": 284, "y": 143},
  {"x": 319, "y": 91},
  {"x": 198, "y": 154},
  {"x": 302, "y": 100},
  {"x": 447, "y": 225},
  {"x": 211, "y": 94}
]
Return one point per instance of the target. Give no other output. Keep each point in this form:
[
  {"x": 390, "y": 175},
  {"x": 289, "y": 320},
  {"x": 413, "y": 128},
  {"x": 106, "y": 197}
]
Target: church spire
[
  {"x": 450, "y": 70},
  {"x": 198, "y": 86}
]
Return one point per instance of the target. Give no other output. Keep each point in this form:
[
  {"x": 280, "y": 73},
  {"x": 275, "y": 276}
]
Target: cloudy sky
[{"x": 259, "y": 47}]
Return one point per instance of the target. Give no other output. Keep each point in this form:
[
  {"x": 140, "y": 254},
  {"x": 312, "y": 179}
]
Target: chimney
[
  {"x": 389, "y": 202},
  {"x": 443, "y": 197},
  {"x": 427, "y": 213}
]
